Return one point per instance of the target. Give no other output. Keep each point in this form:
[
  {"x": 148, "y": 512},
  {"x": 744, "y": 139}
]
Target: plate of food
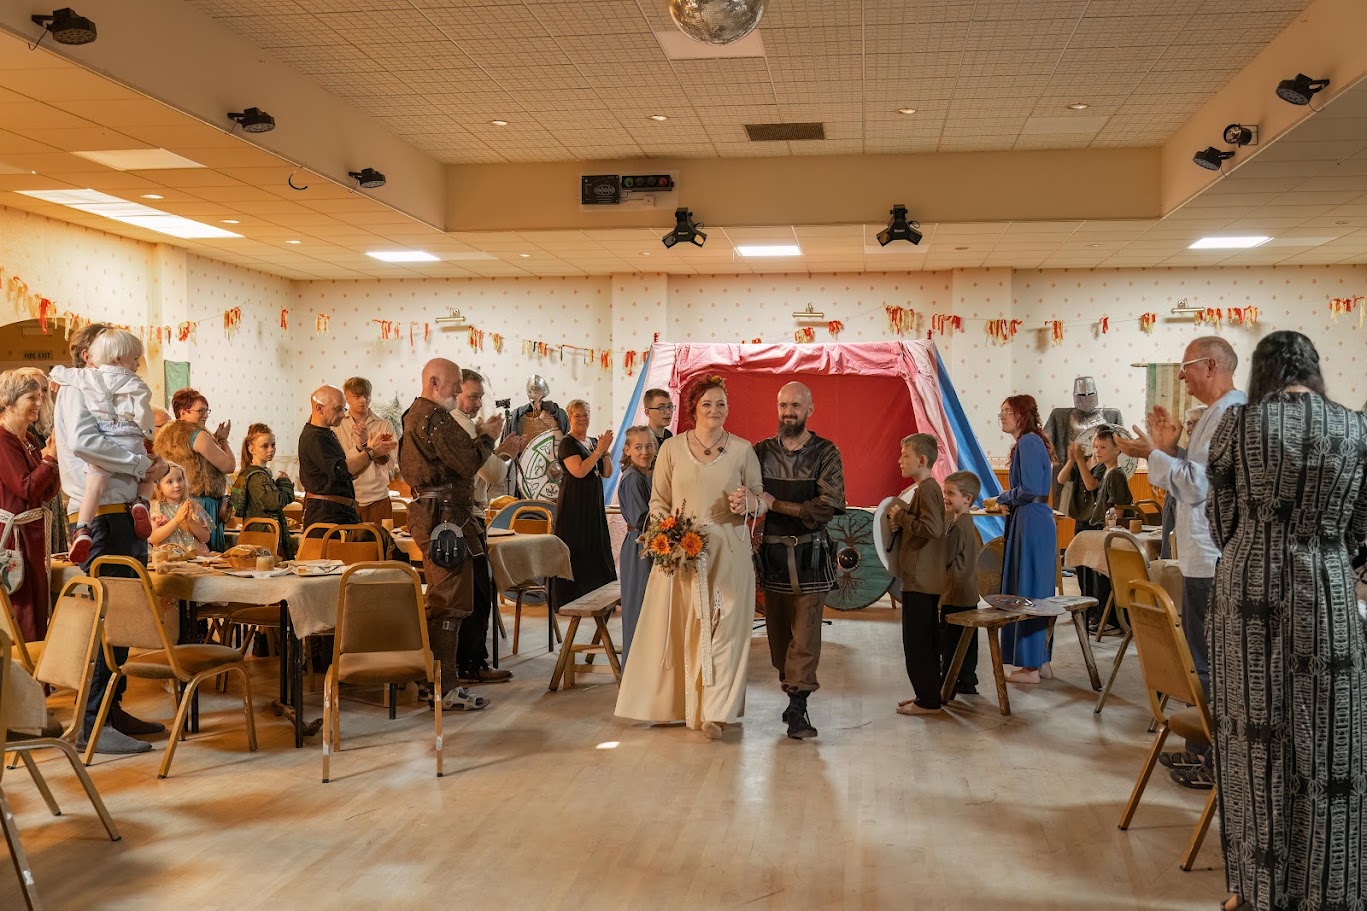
[{"x": 317, "y": 567}]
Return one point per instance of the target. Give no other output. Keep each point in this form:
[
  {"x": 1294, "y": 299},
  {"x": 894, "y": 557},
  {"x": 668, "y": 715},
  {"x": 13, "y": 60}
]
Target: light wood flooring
[{"x": 549, "y": 802}]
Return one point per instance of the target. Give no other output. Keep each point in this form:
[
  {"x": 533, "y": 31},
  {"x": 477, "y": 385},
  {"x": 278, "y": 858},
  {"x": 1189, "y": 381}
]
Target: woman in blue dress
[
  {"x": 1029, "y": 563},
  {"x": 633, "y": 493}
]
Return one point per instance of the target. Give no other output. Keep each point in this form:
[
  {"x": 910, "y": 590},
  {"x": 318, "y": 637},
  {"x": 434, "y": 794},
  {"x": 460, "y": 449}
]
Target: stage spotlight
[
  {"x": 1236, "y": 134},
  {"x": 67, "y": 27},
  {"x": 253, "y": 120},
  {"x": 899, "y": 228},
  {"x": 1299, "y": 90},
  {"x": 368, "y": 178},
  {"x": 685, "y": 229},
  {"x": 1211, "y": 158}
]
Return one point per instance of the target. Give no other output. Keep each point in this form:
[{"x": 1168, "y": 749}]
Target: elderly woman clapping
[{"x": 28, "y": 479}]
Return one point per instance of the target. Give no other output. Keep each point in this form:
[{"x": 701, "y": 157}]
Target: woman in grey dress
[
  {"x": 1288, "y": 672},
  {"x": 633, "y": 493}
]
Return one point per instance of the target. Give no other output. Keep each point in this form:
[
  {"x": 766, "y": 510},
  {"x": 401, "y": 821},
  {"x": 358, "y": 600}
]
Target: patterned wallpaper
[
  {"x": 574, "y": 311},
  {"x": 262, "y": 372}
]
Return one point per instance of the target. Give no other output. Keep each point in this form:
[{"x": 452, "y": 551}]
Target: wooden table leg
[
  {"x": 960, "y": 652},
  {"x": 1085, "y": 641},
  {"x": 1115, "y": 669},
  {"x": 566, "y": 654},
  {"x": 999, "y": 674},
  {"x": 994, "y": 646}
]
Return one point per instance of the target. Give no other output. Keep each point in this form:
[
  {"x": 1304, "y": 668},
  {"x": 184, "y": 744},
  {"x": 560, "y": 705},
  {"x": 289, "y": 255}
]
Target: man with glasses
[
  {"x": 659, "y": 412},
  {"x": 1208, "y": 367}
]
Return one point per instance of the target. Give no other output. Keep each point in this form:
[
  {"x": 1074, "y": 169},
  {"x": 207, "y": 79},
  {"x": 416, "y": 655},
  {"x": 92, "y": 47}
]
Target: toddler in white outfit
[{"x": 121, "y": 404}]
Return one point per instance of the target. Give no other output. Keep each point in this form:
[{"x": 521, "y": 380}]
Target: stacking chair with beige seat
[
  {"x": 354, "y": 544},
  {"x": 381, "y": 638},
  {"x": 26, "y": 653},
  {"x": 1169, "y": 674},
  {"x": 133, "y": 619},
  {"x": 1126, "y": 562},
  {"x": 25, "y": 746},
  {"x": 259, "y": 532},
  {"x": 311, "y": 541},
  {"x": 528, "y": 518}
]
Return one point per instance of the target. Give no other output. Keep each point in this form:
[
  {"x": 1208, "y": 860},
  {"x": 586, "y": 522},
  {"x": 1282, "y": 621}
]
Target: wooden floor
[{"x": 551, "y": 802}]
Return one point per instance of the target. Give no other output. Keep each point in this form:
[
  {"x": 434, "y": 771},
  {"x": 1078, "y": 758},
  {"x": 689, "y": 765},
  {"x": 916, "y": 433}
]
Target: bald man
[
  {"x": 325, "y": 472},
  {"x": 441, "y": 461},
  {"x": 804, "y": 488}
]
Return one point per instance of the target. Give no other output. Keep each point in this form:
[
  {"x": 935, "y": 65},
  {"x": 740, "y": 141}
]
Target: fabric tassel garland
[
  {"x": 804, "y": 335},
  {"x": 901, "y": 319},
  {"x": 497, "y": 341},
  {"x": 1147, "y": 321},
  {"x": 835, "y": 327},
  {"x": 284, "y": 319},
  {"x": 320, "y": 323},
  {"x": 1104, "y": 325},
  {"x": 605, "y": 360},
  {"x": 629, "y": 363},
  {"x": 1243, "y": 316},
  {"x": 1002, "y": 331},
  {"x": 1344, "y": 306},
  {"x": 944, "y": 322},
  {"x": 1211, "y": 316},
  {"x": 1055, "y": 327},
  {"x": 231, "y": 320}
]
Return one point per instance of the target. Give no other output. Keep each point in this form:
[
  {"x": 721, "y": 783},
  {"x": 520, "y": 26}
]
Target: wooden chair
[
  {"x": 354, "y": 544},
  {"x": 1169, "y": 673},
  {"x": 261, "y": 532},
  {"x": 311, "y": 541},
  {"x": 25, "y": 746},
  {"x": 1126, "y": 562},
  {"x": 598, "y": 605},
  {"x": 133, "y": 619},
  {"x": 381, "y": 638}
]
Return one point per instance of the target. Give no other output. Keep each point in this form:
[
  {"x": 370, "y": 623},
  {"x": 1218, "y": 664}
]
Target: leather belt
[
  {"x": 107, "y": 510},
  {"x": 791, "y": 542},
  {"x": 1043, "y": 499},
  {"x": 329, "y": 498}
]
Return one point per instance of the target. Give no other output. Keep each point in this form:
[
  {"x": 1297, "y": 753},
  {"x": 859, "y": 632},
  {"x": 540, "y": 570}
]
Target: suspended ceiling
[
  {"x": 580, "y": 80},
  {"x": 1309, "y": 189}
]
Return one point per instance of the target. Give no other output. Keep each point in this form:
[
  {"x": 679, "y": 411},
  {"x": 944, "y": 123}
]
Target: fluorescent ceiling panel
[
  {"x": 1228, "y": 243},
  {"x": 402, "y": 256},
  {"x": 768, "y": 249},
  {"x": 139, "y": 159},
  {"x": 129, "y": 213},
  {"x": 678, "y": 46}
]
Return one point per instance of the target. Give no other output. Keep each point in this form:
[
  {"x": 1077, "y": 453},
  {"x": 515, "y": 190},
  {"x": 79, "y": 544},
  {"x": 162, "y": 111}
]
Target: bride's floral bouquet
[{"x": 672, "y": 541}]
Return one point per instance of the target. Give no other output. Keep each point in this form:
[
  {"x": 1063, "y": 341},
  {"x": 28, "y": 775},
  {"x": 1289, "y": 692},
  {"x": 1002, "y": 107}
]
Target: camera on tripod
[{"x": 505, "y": 404}]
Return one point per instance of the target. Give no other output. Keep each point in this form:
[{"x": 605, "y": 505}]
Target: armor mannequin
[
  {"x": 536, "y": 417},
  {"x": 1066, "y": 424}
]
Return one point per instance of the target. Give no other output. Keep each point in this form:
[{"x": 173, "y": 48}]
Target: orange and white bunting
[
  {"x": 284, "y": 318},
  {"x": 320, "y": 323},
  {"x": 807, "y": 334},
  {"x": 1344, "y": 306},
  {"x": 1104, "y": 325},
  {"x": 1211, "y": 316},
  {"x": 1147, "y": 321},
  {"x": 944, "y": 322}
]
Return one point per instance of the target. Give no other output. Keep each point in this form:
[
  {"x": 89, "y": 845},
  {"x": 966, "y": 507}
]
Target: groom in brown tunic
[
  {"x": 440, "y": 460},
  {"x": 804, "y": 488}
]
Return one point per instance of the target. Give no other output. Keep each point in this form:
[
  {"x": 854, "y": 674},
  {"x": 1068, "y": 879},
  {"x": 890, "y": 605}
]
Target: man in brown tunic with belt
[{"x": 440, "y": 460}]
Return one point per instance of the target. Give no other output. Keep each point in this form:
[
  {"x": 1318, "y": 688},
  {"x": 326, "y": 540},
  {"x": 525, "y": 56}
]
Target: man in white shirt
[
  {"x": 356, "y": 429},
  {"x": 472, "y": 654},
  {"x": 1208, "y": 367},
  {"x": 80, "y": 442}
]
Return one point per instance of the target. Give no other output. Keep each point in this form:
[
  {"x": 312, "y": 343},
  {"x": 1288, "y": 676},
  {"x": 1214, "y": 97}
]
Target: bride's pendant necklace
[{"x": 707, "y": 450}]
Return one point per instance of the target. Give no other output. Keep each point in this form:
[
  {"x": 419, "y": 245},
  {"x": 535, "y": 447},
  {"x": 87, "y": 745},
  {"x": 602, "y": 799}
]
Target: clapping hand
[
  {"x": 492, "y": 426},
  {"x": 50, "y": 447},
  {"x": 382, "y": 443},
  {"x": 1076, "y": 454},
  {"x": 1164, "y": 431},
  {"x": 510, "y": 447},
  {"x": 605, "y": 442},
  {"x": 221, "y": 434}
]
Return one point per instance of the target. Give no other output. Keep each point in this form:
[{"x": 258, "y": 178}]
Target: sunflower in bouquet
[{"x": 672, "y": 541}]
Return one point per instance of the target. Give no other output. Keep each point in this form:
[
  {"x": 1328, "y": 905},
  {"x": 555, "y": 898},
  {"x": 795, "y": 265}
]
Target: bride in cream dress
[{"x": 692, "y": 642}]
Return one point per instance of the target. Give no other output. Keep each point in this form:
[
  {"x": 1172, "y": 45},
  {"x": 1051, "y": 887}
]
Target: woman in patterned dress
[{"x": 1288, "y": 672}]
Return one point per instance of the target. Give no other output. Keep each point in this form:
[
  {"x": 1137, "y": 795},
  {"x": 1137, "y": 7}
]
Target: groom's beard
[{"x": 791, "y": 429}]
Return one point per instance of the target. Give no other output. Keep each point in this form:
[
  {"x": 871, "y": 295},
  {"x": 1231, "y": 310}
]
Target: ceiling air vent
[{"x": 784, "y": 132}]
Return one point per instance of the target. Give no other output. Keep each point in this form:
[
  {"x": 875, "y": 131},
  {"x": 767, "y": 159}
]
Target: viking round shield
[
  {"x": 860, "y": 578},
  {"x": 1125, "y": 463},
  {"x": 539, "y": 469},
  {"x": 883, "y": 530}
]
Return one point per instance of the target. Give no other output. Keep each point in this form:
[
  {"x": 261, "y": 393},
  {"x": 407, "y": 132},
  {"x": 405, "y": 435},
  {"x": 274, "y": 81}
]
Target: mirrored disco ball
[{"x": 716, "y": 21}]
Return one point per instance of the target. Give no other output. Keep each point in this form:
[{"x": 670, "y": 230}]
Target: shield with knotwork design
[
  {"x": 860, "y": 578},
  {"x": 539, "y": 469}
]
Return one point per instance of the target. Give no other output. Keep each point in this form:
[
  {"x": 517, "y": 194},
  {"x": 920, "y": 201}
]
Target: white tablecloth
[{"x": 312, "y": 600}]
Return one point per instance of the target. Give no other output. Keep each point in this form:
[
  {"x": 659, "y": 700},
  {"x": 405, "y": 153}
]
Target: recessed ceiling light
[
  {"x": 294, "y": 241},
  {"x": 769, "y": 250},
  {"x": 139, "y": 159},
  {"x": 152, "y": 196},
  {"x": 960, "y": 248},
  {"x": 1094, "y": 245},
  {"x": 402, "y": 256},
  {"x": 658, "y": 118},
  {"x": 525, "y": 255},
  {"x": 1228, "y": 243},
  {"x": 129, "y": 213},
  {"x": 1343, "y": 221},
  {"x": 644, "y": 254},
  {"x": 498, "y": 123},
  {"x": 1077, "y": 106},
  {"x": 906, "y": 110},
  {"x": 231, "y": 221}
]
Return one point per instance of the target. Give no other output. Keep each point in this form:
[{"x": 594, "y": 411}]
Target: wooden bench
[
  {"x": 599, "y": 605},
  {"x": 993, "y": 620}
]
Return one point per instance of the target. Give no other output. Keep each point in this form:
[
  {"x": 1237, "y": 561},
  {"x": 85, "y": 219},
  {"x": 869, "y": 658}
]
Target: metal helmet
[
  {"x": 1085, "y": 395},
  {"x": 538, "y": 388}
]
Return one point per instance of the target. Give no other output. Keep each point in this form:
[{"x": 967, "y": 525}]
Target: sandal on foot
[{"x": 462, "y": 700}]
